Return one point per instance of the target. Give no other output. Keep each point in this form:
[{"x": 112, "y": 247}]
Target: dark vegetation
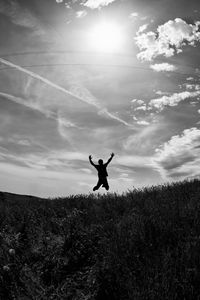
[{"x": 144, "y": 244}]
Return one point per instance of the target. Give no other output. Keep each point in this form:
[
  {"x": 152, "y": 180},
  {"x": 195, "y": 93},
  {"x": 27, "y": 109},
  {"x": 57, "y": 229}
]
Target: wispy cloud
[
  {"x": 125, "y": 177},
  {"x": 21, "y": 16},
  {"x": 59, "y": 160},
  {"x": 134, "y": 15},
  {"x": 172, "y": 100},
  {"x": 163, "y": 67},
  {"x": 81, "y": 13},
  {"x": 17, "y": 140},
  {"x": 85, "y": 184},
  {"x": 41, "y": 182},
  {"x": 29, "y": 104},
  {"x": 106, "y": 113},
  {"x": 97, "y": 3},
  {"x": 179, "y": 157},
  {"x": 143, "y": 142},
  {"x": 77, "y": 92},
  {"x": 143, "y": 122},
  {"x": 142, "y": 28},
  {"x": 137, "y": 101},
  {"x": 48, "y": 82},
  {"x": 134, "y": 161},
  {"x": 62, "y": 122},
  {"x": 64, "y": 127},
  {"x": 143, "y": 107},
  {"x": 168, "y": 100},
  {"x": 161, "y": 93},
  {"x": 86, "y": 170},
  {"x": 168, "y": 39}
]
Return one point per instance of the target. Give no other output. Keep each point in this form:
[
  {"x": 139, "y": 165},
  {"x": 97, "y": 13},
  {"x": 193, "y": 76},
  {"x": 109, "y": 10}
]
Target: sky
[{"x": 92, "y": 77}]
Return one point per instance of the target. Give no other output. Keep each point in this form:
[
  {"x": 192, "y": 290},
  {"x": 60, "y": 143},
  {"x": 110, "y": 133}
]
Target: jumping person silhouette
[{"x": 102, "y": 172}]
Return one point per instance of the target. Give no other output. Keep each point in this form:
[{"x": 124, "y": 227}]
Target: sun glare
[{"x": 106, "y": 37}]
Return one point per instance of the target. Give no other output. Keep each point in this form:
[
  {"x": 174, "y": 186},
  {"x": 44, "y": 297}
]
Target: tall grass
[{"x": 144, "y": 244}]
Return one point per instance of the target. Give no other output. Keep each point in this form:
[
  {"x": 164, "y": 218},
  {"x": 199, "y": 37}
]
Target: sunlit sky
[{"x": 93, "y": 77}]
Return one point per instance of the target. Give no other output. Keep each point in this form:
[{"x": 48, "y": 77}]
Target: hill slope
[{"x": 144, "y": 244}]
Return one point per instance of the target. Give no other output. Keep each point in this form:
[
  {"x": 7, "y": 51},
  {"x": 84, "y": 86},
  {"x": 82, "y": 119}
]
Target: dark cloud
[{"x": 178, "y": 160}]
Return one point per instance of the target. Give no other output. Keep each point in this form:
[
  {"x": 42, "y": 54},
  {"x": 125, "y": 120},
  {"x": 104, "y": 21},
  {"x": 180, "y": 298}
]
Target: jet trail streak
[{"x": 92, "y": 101}]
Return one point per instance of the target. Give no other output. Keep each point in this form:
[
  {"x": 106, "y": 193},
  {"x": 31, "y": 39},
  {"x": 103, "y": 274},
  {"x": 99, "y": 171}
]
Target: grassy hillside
[{"x": 144, "y": 244}]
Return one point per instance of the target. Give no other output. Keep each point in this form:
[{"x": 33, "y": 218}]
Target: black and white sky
[{"x": 84, "y": 77}]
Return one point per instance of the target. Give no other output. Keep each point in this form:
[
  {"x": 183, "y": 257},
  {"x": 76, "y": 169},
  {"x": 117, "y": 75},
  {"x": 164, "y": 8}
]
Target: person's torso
[{"x": 102, "y": 172}]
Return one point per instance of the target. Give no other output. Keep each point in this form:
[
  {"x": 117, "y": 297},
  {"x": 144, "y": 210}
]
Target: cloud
[
  {"x": 137, "y": 101},
  {"x": 180, "y": 156},
  {"x": 161, "y": 93},
  {"x": 29, "y": 104},
  {"x": 125, "y": 177},
  {"x": 77, "y": 91},
  {"x": 163, "y": 67},
  {"x": 85, "y": 184},
  {"x": 40, "y": 182},
  {"x": 106, "y": 113},
  {"x": 133, "y": 15},
  {"x": 80, "y": 91},
  {"x": 50, "y": 160},
  {"x": 21, "y": 16},
  {"x": 62, "y": 122},
  {"x": 134, "y": 161},
  {"x": 168, "y": 39},
  {"x": 22, "y": 142},
  {"x": 172, "y": 100},
  {"x": 86, "y": 170},
  {"x": 63, "y": 128},
  {"x": 191, "y": 86},
  {"x": 143, "y": 107},
  {"x": 143, "y": 122},
  {"x": 81, "y": 13},
  {"x": 75, "y": 94},
  {"x": 142, "y": 28},
  {"x": 97, "y": 3},
  {"x": 144, "y": 18}
]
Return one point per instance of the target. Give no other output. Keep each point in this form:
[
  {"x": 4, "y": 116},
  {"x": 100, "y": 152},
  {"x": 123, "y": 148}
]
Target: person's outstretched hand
[
  {"x": 90, "y": 156},
  {"x": 112, "y": 154}
]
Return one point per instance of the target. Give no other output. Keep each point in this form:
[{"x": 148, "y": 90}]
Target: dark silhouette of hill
[
  {"x": 11, "y": 197},
  {"x": 144, "y": 244}
]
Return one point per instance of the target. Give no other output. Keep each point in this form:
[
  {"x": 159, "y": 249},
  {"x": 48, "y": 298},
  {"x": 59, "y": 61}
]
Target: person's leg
[
  {"x": 99, "y": 183},
  {"x": 105, "y": 184}
]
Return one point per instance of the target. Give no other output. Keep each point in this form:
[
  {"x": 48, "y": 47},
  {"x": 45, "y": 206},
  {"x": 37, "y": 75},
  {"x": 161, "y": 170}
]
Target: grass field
[{"x": 144, "y": 244}]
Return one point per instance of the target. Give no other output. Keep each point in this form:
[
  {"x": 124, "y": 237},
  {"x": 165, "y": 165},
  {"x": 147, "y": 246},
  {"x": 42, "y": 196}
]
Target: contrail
[
  {"x": 45, "y": 112},
  {"x": 105, "y": 112},
  {"x": 90, "y": 101},
  {"x": 48, "y": 82},
  {"x": 34, "y": 106}
]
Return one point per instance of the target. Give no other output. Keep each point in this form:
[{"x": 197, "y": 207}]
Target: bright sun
[{"x": 106, "y": 37}]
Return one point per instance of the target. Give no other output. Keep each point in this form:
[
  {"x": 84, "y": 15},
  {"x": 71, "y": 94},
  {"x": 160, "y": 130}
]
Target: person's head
[{"x": 100, "y": 161}]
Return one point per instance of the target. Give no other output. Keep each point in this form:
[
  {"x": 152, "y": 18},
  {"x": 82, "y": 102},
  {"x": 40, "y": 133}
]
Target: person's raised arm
[
  {"x": 111, "y": 157},
  {"x": 90, "y": 159}
]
